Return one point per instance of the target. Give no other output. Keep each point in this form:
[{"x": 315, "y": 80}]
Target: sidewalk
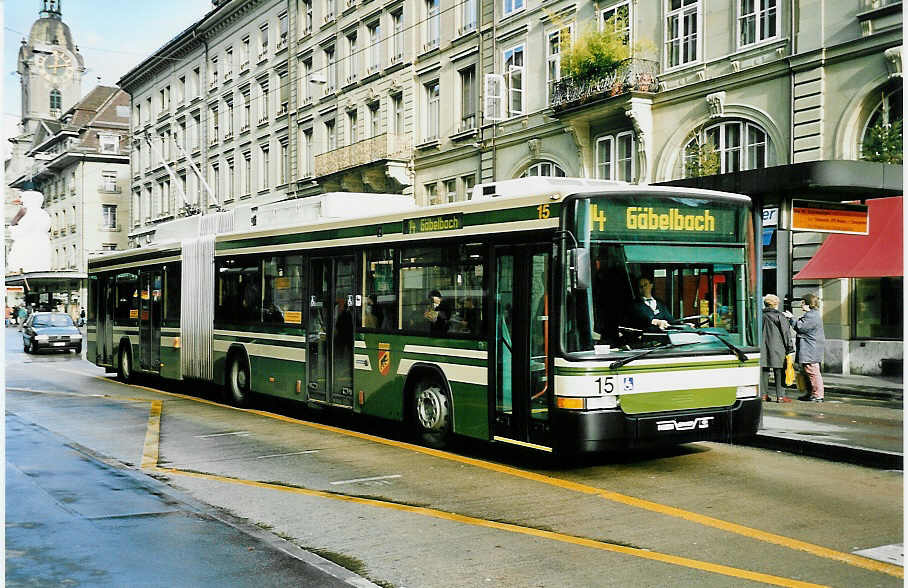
[{"x": 860, "y": 422}]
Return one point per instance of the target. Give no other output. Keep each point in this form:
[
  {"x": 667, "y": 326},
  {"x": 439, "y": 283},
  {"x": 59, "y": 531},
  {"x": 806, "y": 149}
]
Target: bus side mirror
[{"x": 580, "y": 269}]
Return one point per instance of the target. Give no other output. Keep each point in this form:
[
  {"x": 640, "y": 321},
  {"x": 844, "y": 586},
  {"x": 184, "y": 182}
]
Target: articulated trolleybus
[{"x": 515, "y": 317}]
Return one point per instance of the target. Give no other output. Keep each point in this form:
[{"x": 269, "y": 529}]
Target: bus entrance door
[
  {"x": 150, "y": 284},
  {"x": 522, "y": 371},
  {"x": 329, "y": 352},
  {"x": 105, "y": 305}
]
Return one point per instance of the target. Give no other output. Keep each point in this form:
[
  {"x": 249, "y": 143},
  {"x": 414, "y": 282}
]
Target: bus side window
[
  {"x": 172, "y": 295},
  {"x": 379, "y": 309},
  {"x": 283, "y": 297},
  {"x": 238, "y": 291},
  {"x": 127, "y": 309}
]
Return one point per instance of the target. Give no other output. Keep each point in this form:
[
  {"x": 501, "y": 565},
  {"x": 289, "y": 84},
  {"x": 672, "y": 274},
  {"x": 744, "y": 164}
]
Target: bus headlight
[{"x": 746, "y": 392}]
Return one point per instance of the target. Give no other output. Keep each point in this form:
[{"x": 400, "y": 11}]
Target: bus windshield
[{"x": 648, "y": 281}]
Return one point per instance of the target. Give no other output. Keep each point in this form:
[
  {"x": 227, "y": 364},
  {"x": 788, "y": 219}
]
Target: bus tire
[
  {"x": 432, "y": 413},
  {"x": 124, "y": 366},
  {"x": 238, "y": 381}
]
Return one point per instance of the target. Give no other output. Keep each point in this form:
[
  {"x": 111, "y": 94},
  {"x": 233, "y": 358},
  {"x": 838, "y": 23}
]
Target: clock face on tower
[{"x": 54, "y": 65}]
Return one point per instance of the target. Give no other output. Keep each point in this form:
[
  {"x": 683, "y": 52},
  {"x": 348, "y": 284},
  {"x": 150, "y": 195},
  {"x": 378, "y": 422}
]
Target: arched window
[
  {"x": 726, "y": 147},
  {"x": 882, "y": 136},
  {"x": 56, "y": 100},
  {"x": 544, "y": 168}
]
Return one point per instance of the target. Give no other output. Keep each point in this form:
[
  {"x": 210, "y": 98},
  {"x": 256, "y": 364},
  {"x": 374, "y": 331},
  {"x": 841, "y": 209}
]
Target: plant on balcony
[
  {"x": 883, "y": 143},
  {"x": 594, "y": 53}
]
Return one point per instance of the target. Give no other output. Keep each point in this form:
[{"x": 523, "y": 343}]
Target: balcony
[
  {"x": 263, "y": 119},
  {"x": 328, "y": 18},
  {"x": 281, "y": 44},
  {"x": 263, "y": 54},
  {"x": 228, "y": 135},
  {"x": 228, "y": 75},
  {"x": 284, "y": 108},
  {"x": 397, "y": 58},
  {"x": 213, "y": 140},
  {"x": 430, "y": 45},
  {"x": 244, "y": 127},
  {"x": 109, "y": 188},
  {"x": 466, "y": 29},
  {"x": 244, "y": 67},
  {"x": 375, "y": 149},
  {"x": 110, "y": 227},
  {"x": 213, "y": 83},
  {"x": 632, "y": 75},
  {"x": 350, "y": 79},
  {"x": 72, "y": 229}
]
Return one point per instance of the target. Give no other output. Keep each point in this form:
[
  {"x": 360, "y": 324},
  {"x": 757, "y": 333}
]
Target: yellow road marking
[
  {"x": 152, "y": 435},
  {"x": 551, "y": 535},
  {"x": 765, "y": 536}
]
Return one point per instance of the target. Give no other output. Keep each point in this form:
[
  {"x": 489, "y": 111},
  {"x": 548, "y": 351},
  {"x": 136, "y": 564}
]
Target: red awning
[{"x": 875, "y": 255}]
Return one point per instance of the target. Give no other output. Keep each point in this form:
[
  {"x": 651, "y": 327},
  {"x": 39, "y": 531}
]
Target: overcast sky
[{"x": 112, "y": 36}]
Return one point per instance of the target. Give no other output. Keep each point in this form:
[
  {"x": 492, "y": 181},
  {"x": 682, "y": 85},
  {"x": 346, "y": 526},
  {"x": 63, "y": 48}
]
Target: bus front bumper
[{"x": 608, "y": 430}]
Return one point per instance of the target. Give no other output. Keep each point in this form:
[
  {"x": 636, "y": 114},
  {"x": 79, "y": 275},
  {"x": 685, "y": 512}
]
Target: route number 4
[{"x": 605, "y": 385}]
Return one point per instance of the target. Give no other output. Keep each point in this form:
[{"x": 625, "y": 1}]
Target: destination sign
[
  {"x": 829, "y": 217},
  {"x": 672, "y": 221},
  {"x": 433, "y": 224}
]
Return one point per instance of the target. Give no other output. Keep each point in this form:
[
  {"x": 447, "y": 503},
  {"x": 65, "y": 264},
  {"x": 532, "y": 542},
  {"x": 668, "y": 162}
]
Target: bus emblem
[
  {"x": 673, "y": 425},
  {"x": 384, "y": 362}
]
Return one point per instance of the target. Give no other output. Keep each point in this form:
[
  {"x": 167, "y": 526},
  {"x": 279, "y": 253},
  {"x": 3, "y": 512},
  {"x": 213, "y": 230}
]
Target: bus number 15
[{"x": 605, "y": 385}]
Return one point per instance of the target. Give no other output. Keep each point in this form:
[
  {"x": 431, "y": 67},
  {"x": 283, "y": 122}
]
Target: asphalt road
[{"x": 402, "y": 515}]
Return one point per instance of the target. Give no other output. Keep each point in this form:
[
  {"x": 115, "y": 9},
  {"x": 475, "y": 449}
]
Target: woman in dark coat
[{"x": 775, "y": 346}]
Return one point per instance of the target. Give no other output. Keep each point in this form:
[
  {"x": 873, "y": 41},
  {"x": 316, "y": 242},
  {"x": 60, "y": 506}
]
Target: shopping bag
[
  {"x": 789, "y": 370},
  {"x": 803, "y": 383}
]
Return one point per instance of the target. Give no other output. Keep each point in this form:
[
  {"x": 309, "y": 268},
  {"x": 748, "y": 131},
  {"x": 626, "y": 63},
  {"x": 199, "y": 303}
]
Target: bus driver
[{"x": 646, "y": 312}]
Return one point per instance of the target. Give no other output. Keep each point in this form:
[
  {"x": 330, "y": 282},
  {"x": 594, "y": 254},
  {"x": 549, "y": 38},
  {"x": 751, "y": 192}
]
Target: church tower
[{"x": 50, "y": 68}]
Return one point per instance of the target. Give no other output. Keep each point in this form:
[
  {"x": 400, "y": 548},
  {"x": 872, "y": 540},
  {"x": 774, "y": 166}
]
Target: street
[{"x": 400, "y": 514}]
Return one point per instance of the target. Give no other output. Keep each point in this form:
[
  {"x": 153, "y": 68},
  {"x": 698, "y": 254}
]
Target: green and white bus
[{"x": 512, "y": 317}]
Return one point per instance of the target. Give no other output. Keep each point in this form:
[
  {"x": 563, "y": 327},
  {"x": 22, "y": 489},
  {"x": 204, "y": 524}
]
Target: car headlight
[{"x": 43, "y": 337}]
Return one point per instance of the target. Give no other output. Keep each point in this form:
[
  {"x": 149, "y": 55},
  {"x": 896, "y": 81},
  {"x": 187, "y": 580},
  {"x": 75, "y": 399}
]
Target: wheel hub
[{"x": 428, "y": 409}]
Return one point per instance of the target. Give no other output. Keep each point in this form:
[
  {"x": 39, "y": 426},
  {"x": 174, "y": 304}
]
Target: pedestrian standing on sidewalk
[
  {"x": 9, "y": 313},
  {"x": 810, "y": 343},
  {"x": 23, "y": 315},
  {"x": 775, "y": 346}
]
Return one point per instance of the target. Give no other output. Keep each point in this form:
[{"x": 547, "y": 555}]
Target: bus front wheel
[
  {"x": 433, "y": 414},
  {"x": 238, "y": 381}
]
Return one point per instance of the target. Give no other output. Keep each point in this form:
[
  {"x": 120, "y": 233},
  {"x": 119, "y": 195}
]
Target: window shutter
[
  {"x": 515, "y": 89},
  {"x": 493, "y": 97}
]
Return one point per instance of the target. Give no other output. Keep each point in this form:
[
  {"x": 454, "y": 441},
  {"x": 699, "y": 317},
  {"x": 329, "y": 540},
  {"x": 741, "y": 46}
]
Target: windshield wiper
[
  {"x": 740, "y": 353},
  {"x": 624, "y": 361}
]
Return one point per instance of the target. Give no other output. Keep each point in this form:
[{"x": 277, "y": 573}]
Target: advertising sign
[{"x": 829, "y": 217}]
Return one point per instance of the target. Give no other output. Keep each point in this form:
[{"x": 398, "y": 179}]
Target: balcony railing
[
  {"x": 109, "y": 227},
  {"x": 371, "y": 150},
  {"x": 632, "y": 75},
  {"x": 109, "y": 188},
  {"x": 866, "y": 5}
]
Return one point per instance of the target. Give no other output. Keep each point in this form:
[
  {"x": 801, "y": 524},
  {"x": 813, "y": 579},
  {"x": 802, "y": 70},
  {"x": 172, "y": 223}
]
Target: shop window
[{"x": 878, "y": 308}]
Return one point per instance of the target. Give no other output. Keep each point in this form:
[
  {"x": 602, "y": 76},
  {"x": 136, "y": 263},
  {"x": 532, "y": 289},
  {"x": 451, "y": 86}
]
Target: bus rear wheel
[
  {"x": 432, "y": 411},
  {"x": 238, "y": 381},
  {"x": 124, "y": 369}
]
